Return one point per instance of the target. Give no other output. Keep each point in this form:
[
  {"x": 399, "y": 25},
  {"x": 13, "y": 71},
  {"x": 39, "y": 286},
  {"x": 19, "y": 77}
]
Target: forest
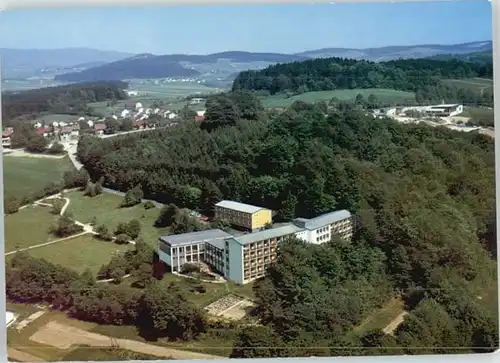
[
  {"x": 70, "y": 99},
  {"x": 424, "y": 77},
  {"x": 424, "y": 198}
]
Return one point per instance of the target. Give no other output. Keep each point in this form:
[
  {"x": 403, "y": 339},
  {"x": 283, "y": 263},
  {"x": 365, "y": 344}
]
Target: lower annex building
[{"x": 242, "y": 259}]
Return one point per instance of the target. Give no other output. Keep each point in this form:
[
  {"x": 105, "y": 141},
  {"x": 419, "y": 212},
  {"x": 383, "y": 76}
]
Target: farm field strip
[{"x": 384, "y": 95}]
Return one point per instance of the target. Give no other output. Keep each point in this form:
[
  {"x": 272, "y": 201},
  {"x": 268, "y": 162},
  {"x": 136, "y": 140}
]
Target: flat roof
[
  {"x": 195, "y": 237},
  {"x": 267, "y": 234},
  {"x": 325, "y": 219},
  {"x": 240, "y": 207}
]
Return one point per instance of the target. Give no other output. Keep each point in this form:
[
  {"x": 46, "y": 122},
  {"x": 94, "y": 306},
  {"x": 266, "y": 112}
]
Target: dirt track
[
  {"x": 392, "y": 326},
  {"x": 63, "y": 337},
  {"x": 22, "y": 356}
]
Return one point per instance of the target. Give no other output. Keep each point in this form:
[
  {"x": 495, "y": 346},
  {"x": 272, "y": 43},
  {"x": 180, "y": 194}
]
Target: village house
[
  {"x": 99, "y": 128},
  {"x": 6, "y": 134}
]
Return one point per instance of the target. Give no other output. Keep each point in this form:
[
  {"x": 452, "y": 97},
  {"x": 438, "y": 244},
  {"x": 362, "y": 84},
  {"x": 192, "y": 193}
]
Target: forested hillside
[
  {"x": 425, "y": 203},
  {"x": 422, "y": 76},
  {"x": 71, "y": 99}
]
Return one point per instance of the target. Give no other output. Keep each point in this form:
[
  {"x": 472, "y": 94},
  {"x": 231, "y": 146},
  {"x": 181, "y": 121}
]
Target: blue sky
[{"x": 264, "y": 28}]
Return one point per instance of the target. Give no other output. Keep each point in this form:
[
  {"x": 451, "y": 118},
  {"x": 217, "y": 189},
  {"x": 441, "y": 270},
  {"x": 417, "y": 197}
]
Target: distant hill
[
  {"x": 141, "y": 66},
  {"x": 219, "y": 67},
  {"x": 27, "y": 62},
  {"x": 174, "y": 65},
  {"x": 399, "y": 52},
  {"x": 485, "y": 57},
  {"x": 69, "y": 99}
]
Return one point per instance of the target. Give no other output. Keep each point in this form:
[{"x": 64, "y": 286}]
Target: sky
[{"x": 283, "y": 28}]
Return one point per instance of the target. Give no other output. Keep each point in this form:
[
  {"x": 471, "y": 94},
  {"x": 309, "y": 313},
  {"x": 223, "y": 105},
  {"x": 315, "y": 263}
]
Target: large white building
[
  {"x": 245, "y": 258},
  {"x": 322, "y": 228},
  {"x": 443, "y": 110}
]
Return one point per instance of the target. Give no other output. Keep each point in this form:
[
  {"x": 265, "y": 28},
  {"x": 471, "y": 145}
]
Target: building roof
[
  {"x": 267, "y": 234},
  {"x": 240, "y": 207},
  {"x": 99, "y": 127},
  {"x": 208, "y": 235},
  {"x": 446, "y": 105},
  {"x": 323, "y": 220}
]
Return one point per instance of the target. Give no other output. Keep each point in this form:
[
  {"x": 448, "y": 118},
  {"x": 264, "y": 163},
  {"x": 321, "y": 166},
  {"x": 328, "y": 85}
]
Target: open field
[
  {"x": 106, "y": 209},
  {"x": 479, "y": 113},
  {"x": 28, "y": 227},
  {"x": 383, "y": 95},
  {"x": 171, "y": 94},
  {"x": 58, "y": 117},
  {"x": 80, "y": 253},
  {"x": 23, "y": 175},
  {"x": 161, "y": 89},
  {"x": 471, "y": 83}
]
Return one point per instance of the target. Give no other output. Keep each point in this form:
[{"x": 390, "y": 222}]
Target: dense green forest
[
  {"x": 70, "y": 99},
  {"x": 422, "y": 76},
  {"x": 424, "y": 198}
]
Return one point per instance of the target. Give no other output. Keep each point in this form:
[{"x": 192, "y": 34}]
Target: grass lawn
[
  {"x": 383, "y": 95},
  {"x": 380, "y": 318},
  {"x": 475, "y": 84},
  {"x": 28, "y": 227},
  {"x": 24, "y": 175},
  {"x": 80, "y": 253},
  {"x": 478, "y": 113},
  {"x": 106, "y": 209}
]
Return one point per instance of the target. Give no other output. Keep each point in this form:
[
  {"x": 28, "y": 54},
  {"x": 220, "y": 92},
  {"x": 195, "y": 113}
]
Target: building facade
[
  {"x": 243, "y": 215},
  {"x": 249, "y": 256},
  {"x": 323, "y": 228},
  {"x": 177, "y": 250}
]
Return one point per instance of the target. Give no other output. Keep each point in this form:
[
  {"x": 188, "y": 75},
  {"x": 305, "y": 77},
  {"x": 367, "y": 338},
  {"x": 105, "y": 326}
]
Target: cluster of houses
[
  {"x": 70, "y": 130},
  {"x": 140, "y": 113}
]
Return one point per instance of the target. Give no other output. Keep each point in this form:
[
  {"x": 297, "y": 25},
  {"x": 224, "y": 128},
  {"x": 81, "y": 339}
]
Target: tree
[
  {"x": 166, "y": 216},
  {"x": 168, "y": 313},
  {"x": 184, "y": 223},
  {"x": 104, "y": 233},
  {"x": 143, "y": 275},
  {"x": 11, "y": 205},
  {"x": 37, "y": 144},
  {"x": 257, "y": 342},
  {"x": 56, "y": 148},
  {"x": 220, "y": 111},
  {"x": 133, "y": 228},
  {"x": 127, "y": 124},
  {"x": 133, "y": 196},
  {"x": 112, "y": 125},
  {"x": 65, "y": 227},
  {"x": 57, "y": 206}
]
